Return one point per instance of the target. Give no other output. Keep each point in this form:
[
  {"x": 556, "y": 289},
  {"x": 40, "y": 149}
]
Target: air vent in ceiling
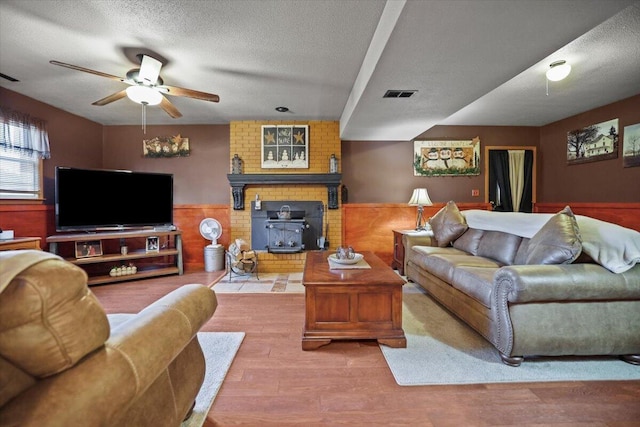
[
  {"x": 399, "y": 93},
  {"x": 11, "y": 79}
]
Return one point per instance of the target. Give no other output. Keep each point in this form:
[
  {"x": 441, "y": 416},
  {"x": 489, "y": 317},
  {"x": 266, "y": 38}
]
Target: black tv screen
[{"x": 92, "y": 199}]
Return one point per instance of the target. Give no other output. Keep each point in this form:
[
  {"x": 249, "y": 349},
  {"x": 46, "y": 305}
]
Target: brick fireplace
[{"x": 324, "y": 140}]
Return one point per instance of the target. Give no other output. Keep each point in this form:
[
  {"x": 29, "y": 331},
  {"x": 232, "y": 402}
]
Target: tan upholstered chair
[{"x": 62, "y": 364}]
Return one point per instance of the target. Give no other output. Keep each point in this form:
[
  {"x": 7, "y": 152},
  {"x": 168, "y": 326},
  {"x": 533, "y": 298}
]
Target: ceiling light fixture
[
  {"x": 144, "y": 95},
  {"x": 558, "y": 70},
  {"x": 282, "y": 109}
]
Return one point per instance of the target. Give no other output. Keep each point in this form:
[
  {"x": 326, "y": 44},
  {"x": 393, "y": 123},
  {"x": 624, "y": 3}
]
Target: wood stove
[
  {"x": 285, "y": 235},
  {"x": 295, "y": 234}
]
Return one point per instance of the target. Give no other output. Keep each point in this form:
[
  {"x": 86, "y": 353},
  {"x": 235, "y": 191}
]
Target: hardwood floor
[{"x": 272, "y": 382}]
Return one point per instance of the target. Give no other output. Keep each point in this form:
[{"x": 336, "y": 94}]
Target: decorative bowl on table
[{"x": 356, "y": 259}]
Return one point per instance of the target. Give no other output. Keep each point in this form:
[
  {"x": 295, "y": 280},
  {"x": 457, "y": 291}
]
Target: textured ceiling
[{"x": 472, "y": 62}]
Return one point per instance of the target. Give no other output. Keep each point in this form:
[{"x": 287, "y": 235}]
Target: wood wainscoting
[
  {"x": 365, "y": 226},
  {"x": 369, "y": 226},
  {"x": 187, "y": 218},
  {"x": 28, "y": 220},
  {"x": 624, "y": 214}
]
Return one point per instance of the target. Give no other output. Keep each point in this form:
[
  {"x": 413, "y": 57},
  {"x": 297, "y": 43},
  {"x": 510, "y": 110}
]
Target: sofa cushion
[
  {"x": 443, "y": 266},
  {"x": 557, "y": 242},
  {"x": 448, "y": 224},
  {"x": 499, "y": 246},
  {"x": 523, "y": 251},
  {"x": 419, "y": 251},
  {"x": 418, "y": 254},
  {"x": 469, "y": 241},
  {"x": 476, "y": 282}
]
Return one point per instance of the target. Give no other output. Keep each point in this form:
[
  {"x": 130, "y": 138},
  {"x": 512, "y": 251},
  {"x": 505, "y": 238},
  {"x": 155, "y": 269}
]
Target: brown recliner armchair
[{"x": 61, "y": 364}]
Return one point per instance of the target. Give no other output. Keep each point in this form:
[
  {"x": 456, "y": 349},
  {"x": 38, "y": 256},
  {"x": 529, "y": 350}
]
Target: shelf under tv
[
  {"x": 144, "y": 274},
  {"x": 165, "y": 261}
]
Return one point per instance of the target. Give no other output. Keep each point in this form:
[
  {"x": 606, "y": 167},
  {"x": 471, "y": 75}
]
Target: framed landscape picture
[
  {"x": 446, "y": 158},
  {"x": 285, "y": 146},
  {"x": 593, "y": 143},
  {"x": 631, "y": 146}
]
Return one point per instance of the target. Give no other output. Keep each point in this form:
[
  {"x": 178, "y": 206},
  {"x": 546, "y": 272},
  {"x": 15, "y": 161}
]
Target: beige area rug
[
  {"x": 219, "y": 350},
  {"x": 443, "y": 350},
  {"x": 263, "y": 283}
]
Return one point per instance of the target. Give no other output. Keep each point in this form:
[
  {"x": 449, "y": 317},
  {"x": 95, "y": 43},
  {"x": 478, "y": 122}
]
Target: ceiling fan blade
[
  {"x": 87, "y": 70},
  {"x": 109, "y": 99},
  {"x": 149, "y": 70},
  {"x": 189, "y": 93},
  {"x": 167, "y": 106}
]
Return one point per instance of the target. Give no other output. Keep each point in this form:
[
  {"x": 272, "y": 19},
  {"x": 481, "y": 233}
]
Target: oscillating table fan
[{"x": 212, "y": 230}]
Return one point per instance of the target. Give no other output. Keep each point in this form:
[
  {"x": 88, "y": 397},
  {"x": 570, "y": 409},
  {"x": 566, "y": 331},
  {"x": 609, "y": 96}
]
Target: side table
[
  {"x": 20, "y": 243},
  {"x": 422, "y": 237}
]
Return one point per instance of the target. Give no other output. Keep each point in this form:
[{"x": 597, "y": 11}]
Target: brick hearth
[{"x": 324, "y": 140}]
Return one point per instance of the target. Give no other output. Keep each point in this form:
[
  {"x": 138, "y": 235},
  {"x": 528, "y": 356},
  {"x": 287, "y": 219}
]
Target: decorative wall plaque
[
  {"x": 173, "y": 146},
  {"x": 285, "y": 146},
  {"x": 446, "y": 158}
]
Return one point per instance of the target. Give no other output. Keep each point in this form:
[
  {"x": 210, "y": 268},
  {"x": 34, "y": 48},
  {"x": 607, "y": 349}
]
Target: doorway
[{"x": 510, "y": 179}]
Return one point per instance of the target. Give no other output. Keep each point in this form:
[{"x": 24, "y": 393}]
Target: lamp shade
[
  {"x": 558, "y": 71},
  {"x": 420, "y": 197},
  {"x": 144, "y": 95}
]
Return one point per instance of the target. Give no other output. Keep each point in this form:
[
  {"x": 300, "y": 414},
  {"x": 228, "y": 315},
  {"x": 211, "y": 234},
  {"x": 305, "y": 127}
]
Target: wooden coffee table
[{"x": 351, "y": 304}]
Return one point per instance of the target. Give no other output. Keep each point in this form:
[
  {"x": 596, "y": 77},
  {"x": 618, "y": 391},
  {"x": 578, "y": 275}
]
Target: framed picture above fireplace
[{"x": 285, "y": 146}]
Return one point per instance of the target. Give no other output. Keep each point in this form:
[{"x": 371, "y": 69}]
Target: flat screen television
[{"x": 95, "y": 200}]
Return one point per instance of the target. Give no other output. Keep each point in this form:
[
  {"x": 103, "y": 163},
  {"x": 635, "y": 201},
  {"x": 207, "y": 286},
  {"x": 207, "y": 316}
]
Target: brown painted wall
[
  {"x": 374, "y": 172},
  {"x": 603, "y": 181},
  {"x": 200, "y": 178},
  {"x": 382, "y": 172},
  {"x": 74, "y": 141}
]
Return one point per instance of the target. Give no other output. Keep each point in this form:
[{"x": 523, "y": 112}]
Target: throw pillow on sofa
[
  {"x": 557, "y": 242},
  {"x": 448, "y": 224}
]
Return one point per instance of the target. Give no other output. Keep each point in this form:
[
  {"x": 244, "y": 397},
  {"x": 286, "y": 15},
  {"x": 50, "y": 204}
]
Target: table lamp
[{"x": 420, "y": 198}]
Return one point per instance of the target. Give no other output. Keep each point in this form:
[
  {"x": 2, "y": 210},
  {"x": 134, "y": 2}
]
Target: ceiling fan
[{"x": 146, "y": 87}]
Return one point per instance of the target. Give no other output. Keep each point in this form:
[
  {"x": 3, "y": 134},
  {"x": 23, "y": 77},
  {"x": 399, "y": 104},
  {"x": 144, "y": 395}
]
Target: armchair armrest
[
  {"x": 106, "y": 383},
  {"x": 151, "y": 339}
]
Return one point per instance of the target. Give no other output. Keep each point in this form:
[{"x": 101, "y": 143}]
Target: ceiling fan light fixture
[
  {"x": 558, "y": 70},
  {"x": 144, "y": 95}
]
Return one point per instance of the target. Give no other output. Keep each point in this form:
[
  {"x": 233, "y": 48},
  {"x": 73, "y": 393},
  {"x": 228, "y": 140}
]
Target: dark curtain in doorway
[
  {"x": 526, "y": 203},
  {"x": 500, "y": 187}
]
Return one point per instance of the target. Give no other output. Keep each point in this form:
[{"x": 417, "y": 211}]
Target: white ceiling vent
[{"x": 399, "y": 93}]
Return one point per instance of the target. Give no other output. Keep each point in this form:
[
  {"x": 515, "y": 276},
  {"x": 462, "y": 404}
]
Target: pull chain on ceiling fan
[{"x": 146, "y": 87}]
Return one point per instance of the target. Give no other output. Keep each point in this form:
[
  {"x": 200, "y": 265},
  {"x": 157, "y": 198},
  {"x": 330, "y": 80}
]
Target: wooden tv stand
[{"x": 166, "y": 260}]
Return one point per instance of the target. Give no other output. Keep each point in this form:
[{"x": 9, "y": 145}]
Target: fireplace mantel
[{"x": 239, "y": 181}]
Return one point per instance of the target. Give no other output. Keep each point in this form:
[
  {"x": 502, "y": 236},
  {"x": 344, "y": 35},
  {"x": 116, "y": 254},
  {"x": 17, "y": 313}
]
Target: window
[{"x": 23, "y": 144}]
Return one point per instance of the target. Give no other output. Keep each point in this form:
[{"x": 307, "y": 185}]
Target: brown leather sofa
[
  {"x": 62, "y": 364},
  {"x": 550, "y": 293}
]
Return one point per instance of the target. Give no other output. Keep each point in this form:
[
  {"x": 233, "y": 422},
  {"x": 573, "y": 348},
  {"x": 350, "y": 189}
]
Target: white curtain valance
[{"x": 21, "y": 132}]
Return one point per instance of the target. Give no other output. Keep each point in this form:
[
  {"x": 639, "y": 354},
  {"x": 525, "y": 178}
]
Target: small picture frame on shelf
[
  {"x": 89, "y": 248},
  {"x": 153, "y": 244}
]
